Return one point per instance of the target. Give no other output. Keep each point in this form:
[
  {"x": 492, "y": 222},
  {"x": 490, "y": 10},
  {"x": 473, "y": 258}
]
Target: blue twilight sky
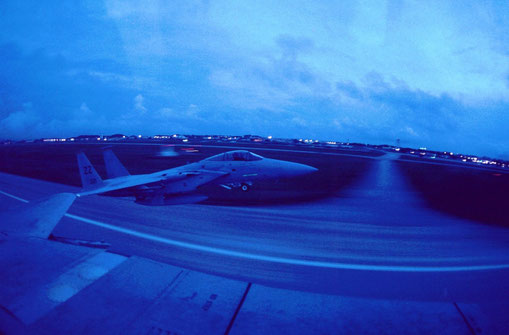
[{"x": 431, "y": 73}]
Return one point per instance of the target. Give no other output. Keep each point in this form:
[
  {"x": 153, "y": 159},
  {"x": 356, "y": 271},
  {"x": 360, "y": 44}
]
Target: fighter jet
[{"x": 233, "y": 169}]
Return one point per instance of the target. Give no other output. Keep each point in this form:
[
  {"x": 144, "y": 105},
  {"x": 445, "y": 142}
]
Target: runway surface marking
[
  {"x": 14, "y": 197},
  {"x": 274, "y": 259}
]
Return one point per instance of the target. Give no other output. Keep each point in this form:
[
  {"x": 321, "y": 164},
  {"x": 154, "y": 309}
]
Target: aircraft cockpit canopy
[{"x": 237, "y": 155}]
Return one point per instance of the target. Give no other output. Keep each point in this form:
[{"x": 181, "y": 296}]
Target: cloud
[
  {"x": 432, "y": 74},
  {"x": 138, "y": 104},
  {"x": 22, "y": 121}
]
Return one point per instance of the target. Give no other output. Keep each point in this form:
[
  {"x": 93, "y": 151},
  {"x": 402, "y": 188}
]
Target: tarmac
[{"x": 371, "y": 259}]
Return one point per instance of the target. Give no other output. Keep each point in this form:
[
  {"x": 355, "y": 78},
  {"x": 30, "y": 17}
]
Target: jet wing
[
  {"x": 36, "y": 218},
  {"x": 163, "y": 177},
  {"x": 179, "y": 191}
]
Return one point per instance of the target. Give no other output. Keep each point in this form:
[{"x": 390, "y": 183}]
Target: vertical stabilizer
[
  {"x": 114, "y": 168},
  {"x": 89, "y": 176}
]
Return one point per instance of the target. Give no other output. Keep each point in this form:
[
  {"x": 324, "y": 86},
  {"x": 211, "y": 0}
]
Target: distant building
[
  {"x": 115, "y": 137},
  {"x": 56, "y": 139},
  {"x": 87, "y": 138}
]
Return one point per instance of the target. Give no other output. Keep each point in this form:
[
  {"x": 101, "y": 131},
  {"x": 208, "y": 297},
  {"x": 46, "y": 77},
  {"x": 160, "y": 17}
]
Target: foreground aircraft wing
[{"x": 36, "y": 219}]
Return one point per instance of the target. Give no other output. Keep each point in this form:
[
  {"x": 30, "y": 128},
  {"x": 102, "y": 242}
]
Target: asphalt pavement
[{"x": 374, "y": 240}]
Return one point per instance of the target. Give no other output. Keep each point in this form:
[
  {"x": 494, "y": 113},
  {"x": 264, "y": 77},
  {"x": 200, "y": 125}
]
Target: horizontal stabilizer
[{"x": 37, "y": 218}]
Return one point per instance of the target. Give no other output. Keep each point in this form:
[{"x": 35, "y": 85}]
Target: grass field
[
  {"x": 57, "y": 163},
  {"x": 473, "y": 194}
]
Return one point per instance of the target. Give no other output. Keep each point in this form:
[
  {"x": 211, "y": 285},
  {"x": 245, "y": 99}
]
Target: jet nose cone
[{"x": 302, "y": 169}]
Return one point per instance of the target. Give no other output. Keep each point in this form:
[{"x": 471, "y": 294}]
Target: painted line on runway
[
  {"x": 283, "y": 260},
  {"x": 14, "y": 197},
  {"x": 275, "y": 259}
]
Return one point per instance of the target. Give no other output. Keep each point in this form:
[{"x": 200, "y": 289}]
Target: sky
[{"x": 433, "y": 74}]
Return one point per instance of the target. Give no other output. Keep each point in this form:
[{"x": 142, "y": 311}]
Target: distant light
[
  {"x": 397, "y": 149},
  {"x": 139, "y": 136},
  {"x": 123, "y": 136},
  {"x": 105, "y": 139},
  {"x": 269, "y": 137},
  {"x": 72, "y": 139},
  {"x": 185, "y": 140},
  {"x": 98, "y": 138}
]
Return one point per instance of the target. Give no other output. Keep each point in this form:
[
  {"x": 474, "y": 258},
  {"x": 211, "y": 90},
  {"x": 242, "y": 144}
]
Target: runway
[{"x": 360, "y": 242}]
